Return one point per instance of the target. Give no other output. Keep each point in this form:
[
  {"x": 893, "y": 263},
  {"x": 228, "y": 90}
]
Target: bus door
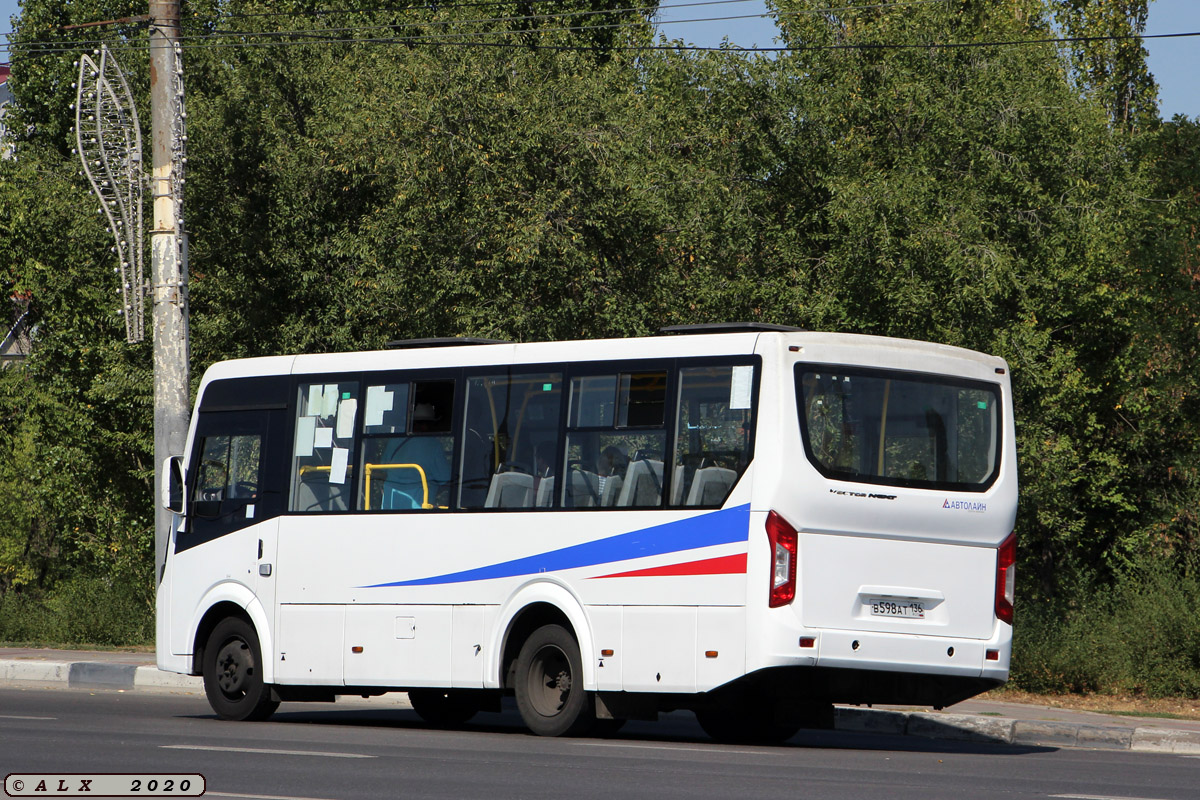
[{"x": 236, "y": 496}]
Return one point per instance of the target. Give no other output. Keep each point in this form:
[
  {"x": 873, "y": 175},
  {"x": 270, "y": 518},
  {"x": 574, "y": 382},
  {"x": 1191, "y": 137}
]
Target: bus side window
[
  {"x": 713, "y": 433},
  {"x": 228, "y": 475},
  {"x": 511, "y": 440},
  {"x": 616, "y": 440},
  {"x": 407, "y": 446},
  {"x": 323, "y": 451}
]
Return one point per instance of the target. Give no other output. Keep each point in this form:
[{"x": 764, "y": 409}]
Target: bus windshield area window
[{"x": 900, "y": 429}]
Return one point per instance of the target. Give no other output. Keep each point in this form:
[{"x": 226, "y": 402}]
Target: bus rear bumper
[
  {"x": 796, "y": 686},
  {"x": 933, "y": 655},
  {"x": 867, "y": 667}
]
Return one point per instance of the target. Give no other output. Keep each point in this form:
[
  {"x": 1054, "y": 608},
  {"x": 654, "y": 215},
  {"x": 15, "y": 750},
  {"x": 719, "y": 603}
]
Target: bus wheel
[
  {"x": 549, "y": 684},
  {"x": 745, "y": 726},
  {"x": 443, "y": 708},
  {"x": 233, "y": 674}
]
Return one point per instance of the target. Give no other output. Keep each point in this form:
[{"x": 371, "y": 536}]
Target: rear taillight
[
  {"x": 1006, "y": 560},
  {"x": 782, "y": 537}
]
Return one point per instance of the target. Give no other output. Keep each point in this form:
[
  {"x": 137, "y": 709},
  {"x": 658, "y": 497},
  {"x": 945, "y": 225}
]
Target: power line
[
  {"x": 488, "y": 3},
  {"x": 776, "y": 15},
  {"x": 537, "y": 17},
  {"x": 450, "y": 6},
  {"x": 435, "y": 41},
  {"x": 319, "y": 36}
]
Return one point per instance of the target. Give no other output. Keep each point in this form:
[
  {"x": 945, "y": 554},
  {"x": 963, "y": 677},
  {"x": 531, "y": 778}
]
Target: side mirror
[{"x": 172, "y": 484}]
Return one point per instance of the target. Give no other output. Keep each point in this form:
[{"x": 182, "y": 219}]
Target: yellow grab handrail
[{"x": 369, "y": 468}]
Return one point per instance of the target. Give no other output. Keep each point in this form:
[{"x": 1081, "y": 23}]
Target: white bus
[{"x": 752, "y": 522}]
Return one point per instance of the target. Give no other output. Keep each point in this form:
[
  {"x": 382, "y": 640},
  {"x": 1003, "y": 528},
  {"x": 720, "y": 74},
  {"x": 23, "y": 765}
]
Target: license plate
[{"x": 907, "y": 609}]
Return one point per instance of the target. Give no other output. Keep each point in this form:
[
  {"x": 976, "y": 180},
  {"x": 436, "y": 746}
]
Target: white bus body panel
[{"x": 438, "y": 615}]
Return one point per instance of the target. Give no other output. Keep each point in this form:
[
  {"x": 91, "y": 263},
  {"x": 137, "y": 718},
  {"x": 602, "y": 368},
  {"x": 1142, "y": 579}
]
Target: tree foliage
[{"x": 402, "y": 173}]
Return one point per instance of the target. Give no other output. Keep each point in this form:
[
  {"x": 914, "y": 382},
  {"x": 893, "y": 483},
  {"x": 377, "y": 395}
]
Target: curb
[
  {"x": 96, "y": 675},
  {"x": 1003, "y": 730},
  {"x": 951, "y": 727}
]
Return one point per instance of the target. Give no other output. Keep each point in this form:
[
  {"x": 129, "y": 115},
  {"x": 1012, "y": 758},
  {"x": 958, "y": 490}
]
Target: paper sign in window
[
  {"x": 347, "y": 410},
  {"x": 316, "y": 395},
  {"x": 306, "y": 431},
  {"x": 739, "y": 387},
  {"x": 329, "y": 400},
  {"x": 379, "y": 400},
  {"x": 323, "y": 437},
  {"x": 337, "y": 465}
]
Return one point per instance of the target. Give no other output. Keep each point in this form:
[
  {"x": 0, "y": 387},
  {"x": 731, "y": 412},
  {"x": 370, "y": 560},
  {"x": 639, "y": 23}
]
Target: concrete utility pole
[{"x": 168, "y": 256}]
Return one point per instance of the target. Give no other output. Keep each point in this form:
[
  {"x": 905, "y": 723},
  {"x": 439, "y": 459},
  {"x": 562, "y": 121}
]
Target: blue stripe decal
[{"x": 704, "y": 530}]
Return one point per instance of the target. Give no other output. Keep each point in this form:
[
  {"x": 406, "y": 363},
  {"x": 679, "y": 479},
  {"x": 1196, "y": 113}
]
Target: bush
[
  {"x": 1138, "y": 636},
  {"x": 80, "y": 611}
]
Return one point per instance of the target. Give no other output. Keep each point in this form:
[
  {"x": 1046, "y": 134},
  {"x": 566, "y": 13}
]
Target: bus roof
[{"x": 844, "y": 347}]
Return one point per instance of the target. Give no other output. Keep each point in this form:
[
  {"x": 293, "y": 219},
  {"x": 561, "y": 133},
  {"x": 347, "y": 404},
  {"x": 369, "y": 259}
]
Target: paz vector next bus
[{"x": 749, "y": 521}]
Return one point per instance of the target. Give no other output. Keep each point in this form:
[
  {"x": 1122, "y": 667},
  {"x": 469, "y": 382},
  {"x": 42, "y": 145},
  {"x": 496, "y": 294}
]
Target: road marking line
[
  {"x": 1099, "y": 797},
  {"x": 258, "y": 796},
  {"x": 712, "y": 749},
  {"x": 265, "y": 752},
  {"x": 14, "y": 716}
]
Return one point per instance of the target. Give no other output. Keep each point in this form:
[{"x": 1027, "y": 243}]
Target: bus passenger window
[
  {"x": 511, "y": 440},
  {"x": 407, "y": 446},
  {"x": 616, "y": 440},
  {"x": 713, "y": 433},
  {"x": 323, "y": 452}
]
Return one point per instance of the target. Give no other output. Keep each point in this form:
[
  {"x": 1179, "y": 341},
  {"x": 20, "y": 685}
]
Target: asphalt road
[{"x": 344, "y": 752}]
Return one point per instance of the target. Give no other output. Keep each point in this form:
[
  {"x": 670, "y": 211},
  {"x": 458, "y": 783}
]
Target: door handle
[{"x": 260, "y": 548}]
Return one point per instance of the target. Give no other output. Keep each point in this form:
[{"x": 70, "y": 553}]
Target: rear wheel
[
  {"x": 442, "y": 707},
  {"x": 232, "y": 671},
  {"x": 549, "y": 684}
]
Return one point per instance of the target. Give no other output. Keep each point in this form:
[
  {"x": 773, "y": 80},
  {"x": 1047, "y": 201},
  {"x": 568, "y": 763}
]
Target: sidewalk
[{"x": 970, "y": 721}]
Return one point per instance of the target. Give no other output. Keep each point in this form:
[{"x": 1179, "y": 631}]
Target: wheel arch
[
  {"x": 232, "y": 600},
  {"x": 534, "y": 605}
]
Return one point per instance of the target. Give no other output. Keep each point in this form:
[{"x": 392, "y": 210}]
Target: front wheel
[
  {"x": 232, "y": 670},
  {"x": 549, "y": 684}
]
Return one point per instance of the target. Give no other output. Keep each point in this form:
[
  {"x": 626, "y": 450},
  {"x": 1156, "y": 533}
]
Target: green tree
[
  {"x": 361, "y": 176},
  {"x": 974, "y": 196},
  {"x": 1108, "y": 59}
]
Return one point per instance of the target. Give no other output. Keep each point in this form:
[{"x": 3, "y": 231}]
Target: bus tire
[
  {"x": 443, "y": 708},
  {"x": 232, "y": 671},
  {"x": 549, "y": 684},
  {"x": 745, "y": 726}
]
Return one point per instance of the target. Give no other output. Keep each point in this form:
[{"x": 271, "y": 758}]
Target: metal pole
[{"x": 168, "y": 259}]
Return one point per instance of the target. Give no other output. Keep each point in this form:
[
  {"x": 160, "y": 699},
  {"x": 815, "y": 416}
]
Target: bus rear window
[{"x": 899, "y": 428}]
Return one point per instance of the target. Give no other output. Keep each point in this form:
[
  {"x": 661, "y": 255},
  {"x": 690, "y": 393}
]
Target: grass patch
[
  {"x": 1152, "y": 714},
  {"x": 1187, "y": 708},
  {"x": 1136, "y": 637}
]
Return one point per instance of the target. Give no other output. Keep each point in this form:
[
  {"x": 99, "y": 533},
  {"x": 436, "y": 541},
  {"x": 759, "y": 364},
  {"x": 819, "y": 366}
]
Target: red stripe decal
[{"x": 724, "y": 565}]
